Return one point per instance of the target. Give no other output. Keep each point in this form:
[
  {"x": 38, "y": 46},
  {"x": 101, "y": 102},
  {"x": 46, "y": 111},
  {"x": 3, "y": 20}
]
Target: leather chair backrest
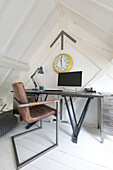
[{"x": 20, "y": 95}]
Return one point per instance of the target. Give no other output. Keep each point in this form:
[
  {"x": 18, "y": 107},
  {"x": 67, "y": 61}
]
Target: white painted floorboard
[{"x": 87, "y": 154}]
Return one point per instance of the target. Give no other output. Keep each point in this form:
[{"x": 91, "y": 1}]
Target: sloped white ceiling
[
  {"x": 95, "y": 18},
  {"x": 107, "y": 3},
  {"x": 26, "y": 24},
  {"x": 10, "y": 18}
]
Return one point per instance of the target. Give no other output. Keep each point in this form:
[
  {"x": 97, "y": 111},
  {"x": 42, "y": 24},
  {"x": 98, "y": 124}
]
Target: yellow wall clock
[{"x": 62, "y": 63}]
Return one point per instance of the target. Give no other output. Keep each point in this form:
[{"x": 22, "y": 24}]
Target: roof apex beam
[
  {"x": 58, "y": 6},
  {"x": 6, "y": 62}
]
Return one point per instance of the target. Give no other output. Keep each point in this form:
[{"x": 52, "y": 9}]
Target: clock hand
[{"x": 61, "y": 62}]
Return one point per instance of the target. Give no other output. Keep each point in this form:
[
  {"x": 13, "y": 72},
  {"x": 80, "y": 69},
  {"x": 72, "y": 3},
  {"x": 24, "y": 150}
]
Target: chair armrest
[
  {"x": 41, "y": 102},
  {"x": 19, "y": 104}
]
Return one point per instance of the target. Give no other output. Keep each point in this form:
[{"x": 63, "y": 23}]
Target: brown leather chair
[{"x": 31, "y": 113}]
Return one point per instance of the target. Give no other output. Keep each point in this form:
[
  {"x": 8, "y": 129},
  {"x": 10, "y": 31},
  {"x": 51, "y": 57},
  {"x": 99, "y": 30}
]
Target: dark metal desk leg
[
  {"x": 69, "y": 113},
  {"x": 82, "y": 116},
  {"x": 76, "y": 130},
  {"x": 61, "y": 108},
  {"x": 73, "y": 111},
  {"x": 99, "y": 113},
  {"x": 79, "y": 125},
  {"x": 46, "y": 97}
]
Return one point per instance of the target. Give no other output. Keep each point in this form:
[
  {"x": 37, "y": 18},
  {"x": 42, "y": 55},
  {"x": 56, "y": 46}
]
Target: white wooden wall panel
[
  {"x": 84, "y": 56},
  {"x": 105, "y": 84},
  {"x": 3, "y": 71},
  {"x": 93, "y": 53},
  {"x": 27, "y": 28},
  {"x": 108, "y": 53},
  {"x": 30, "y": 27},
  {"x": 13, "y": 76},
  {"x": 79, "y": 63},
  {"x": 110, "y": 70},
  {"x": 10, "y": 17},
  {"x": 40, "y": 36},
  {"x": 6, "y": 86},
  {"x": 92, "y": 114}
]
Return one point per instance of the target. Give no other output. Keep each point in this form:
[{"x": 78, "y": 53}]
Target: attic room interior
[{"x": 56, "y": 84}]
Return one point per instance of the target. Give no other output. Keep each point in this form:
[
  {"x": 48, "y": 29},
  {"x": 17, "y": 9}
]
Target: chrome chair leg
[{"x": 20, "y": 165}]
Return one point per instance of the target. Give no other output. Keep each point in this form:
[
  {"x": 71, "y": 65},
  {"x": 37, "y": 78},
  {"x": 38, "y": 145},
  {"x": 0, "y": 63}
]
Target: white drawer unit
[{"x": 106, "y": 116}]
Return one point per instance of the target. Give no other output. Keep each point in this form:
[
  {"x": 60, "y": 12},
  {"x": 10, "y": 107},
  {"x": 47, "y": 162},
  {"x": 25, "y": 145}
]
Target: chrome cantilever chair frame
[{"x": 18, "y": 164}]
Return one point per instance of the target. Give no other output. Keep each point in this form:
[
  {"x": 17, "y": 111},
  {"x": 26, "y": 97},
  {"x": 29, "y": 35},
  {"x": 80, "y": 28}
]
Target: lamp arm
[
  {"x": 34, "y": 79},
  {"x": 39, "y": 70},
  {"x": 34, "y": 82},
  {"x": 34, "y": 73}
]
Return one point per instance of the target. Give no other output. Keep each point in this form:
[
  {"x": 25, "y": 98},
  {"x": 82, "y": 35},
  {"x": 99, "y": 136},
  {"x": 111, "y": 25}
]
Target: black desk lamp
[{"x": 39, "y": 71}]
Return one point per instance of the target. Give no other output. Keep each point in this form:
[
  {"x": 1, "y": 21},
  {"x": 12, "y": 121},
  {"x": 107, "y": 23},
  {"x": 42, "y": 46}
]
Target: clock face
[{"x": 62, "y": 63}]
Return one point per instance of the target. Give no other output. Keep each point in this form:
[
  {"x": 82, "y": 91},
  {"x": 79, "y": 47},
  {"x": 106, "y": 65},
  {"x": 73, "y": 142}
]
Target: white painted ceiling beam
[
  {"x": 19, "y": 27},
  {"x": 103, "y": 5},
  {"x": 86, "y": 18},
  {"x": 36, "y": 32},
  {"x": 6, "y": 62},
  {"x": 6, "y": 75},
  {"x": 2, "y": 3}
]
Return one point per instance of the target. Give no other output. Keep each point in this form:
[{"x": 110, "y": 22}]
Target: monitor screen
[{"x": 70, "y": 79}]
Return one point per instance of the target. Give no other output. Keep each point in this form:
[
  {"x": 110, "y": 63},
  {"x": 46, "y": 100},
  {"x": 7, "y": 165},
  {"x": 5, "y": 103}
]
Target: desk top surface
[{"x": 65, "y": 93}]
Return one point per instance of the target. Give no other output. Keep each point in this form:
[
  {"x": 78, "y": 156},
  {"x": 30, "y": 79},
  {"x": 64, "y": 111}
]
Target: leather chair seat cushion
[
  {"x": 41, "y": 111},
  {"x": 7, "y": 122}
]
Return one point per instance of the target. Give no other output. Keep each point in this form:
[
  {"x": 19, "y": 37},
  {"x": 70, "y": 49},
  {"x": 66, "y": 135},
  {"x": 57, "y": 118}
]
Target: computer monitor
[{"x": 70, "y": 79}]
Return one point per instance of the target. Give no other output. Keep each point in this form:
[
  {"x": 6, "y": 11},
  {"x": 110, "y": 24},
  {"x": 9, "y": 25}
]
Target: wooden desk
[{"x": 76, "y": 125}]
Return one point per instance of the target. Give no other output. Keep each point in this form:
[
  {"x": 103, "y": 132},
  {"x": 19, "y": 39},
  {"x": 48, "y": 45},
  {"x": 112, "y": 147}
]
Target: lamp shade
[{"x": 41, "y": 70}]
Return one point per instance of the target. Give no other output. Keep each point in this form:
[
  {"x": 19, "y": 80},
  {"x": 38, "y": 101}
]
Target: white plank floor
[{"x": 87, "y": 154}]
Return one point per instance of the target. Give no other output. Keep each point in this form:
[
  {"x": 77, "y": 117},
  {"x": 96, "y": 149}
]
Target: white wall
[{"x": 89, "y": 54}]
